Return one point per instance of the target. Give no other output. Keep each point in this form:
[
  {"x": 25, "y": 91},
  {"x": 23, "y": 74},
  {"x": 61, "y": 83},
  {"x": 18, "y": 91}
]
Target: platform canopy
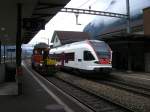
[{"x": 35, "y": 14}]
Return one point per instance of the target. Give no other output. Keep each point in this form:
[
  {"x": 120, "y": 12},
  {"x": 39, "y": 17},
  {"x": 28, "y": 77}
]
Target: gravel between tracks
[{"x": 132, "y": 101}]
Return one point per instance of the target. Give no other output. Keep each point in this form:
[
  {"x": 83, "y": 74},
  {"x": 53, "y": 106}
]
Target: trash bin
[{"x": 10, "y": 72}]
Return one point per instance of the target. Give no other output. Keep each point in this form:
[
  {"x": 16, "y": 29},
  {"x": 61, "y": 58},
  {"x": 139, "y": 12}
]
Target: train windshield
[{"x": 102, "y": 49}]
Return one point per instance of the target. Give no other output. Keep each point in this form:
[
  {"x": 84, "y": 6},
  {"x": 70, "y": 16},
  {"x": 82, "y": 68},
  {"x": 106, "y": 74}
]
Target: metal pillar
[
  {"x": 48, "y": 41},
  {"x": 4, "y": 53},
  {"x": 77, "y": 15},
  {"x": 128, "y": 16},
  {"x": 18, "y": 49},
  {"x": 129, "y": 32},
  {"x": 7, "y": 53},
  {"x": 11, "y": 57},
  {"x": 0, "y": 52}
]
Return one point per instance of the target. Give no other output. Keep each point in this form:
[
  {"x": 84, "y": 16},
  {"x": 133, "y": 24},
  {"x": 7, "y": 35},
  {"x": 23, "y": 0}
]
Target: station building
[{"x": 131, "y": 51}]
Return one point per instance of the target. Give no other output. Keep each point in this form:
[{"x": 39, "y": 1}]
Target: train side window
[
  {"x": 87, "y": 56},
  {"x": 69, "y": 57},
  {"x": 35, "y": 52}
]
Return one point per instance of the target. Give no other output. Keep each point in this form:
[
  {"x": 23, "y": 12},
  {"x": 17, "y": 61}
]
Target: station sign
[{"x": 32, "y": 24}]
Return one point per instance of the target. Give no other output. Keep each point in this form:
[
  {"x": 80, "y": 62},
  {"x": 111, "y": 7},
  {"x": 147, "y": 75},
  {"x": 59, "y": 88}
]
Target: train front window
[
  {"x": 103, "y": 54},
  {"x": 102, "y": 49},
  {"x": 87, "y": 55}
]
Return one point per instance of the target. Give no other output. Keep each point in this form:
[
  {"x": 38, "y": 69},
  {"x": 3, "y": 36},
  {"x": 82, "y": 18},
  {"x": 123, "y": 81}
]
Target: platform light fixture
[{"x": 3, "y": 28}]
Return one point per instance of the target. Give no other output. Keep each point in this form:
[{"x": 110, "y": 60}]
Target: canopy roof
[{"x": 35, "y": 11}]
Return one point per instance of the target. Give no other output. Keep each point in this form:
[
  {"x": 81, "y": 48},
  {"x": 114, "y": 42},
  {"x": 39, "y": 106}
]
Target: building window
[
  {"x": 87, "y": 55},
  {"x": 56, "y": 39}
]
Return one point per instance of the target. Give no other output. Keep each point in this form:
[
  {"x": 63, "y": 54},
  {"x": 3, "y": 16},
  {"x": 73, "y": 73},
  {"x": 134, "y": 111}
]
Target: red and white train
[{"x": 88, "y": 55}]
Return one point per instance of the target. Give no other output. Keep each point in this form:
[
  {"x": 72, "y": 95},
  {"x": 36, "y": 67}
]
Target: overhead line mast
[{"x": 94, "y": 12}]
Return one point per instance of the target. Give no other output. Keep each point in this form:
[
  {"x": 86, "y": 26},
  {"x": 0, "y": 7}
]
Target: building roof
[
  {"x": 70, "y": 36},
  {"x": 135, "y": 26},
  {"x": 127, "y": 37}
]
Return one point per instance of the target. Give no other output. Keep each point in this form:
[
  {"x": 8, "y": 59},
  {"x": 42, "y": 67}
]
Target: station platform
[
  {"x": 33, "y": 99},
  {"x": 38, "y": 95}
]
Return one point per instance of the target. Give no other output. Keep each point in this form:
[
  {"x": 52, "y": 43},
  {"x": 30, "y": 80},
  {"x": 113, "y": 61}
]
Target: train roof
[
  {"x": 80, "y": 42},
  {"x": 85, "y": 41},
  {"x": 74, "y": 45}
]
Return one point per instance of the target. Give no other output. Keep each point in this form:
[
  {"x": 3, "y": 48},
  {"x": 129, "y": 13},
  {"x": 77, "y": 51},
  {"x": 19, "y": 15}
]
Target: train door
[
  {"x": 79, "y": 59},
  {"x": 62, "y": 59},
  {"x": 88, "y": 59}
]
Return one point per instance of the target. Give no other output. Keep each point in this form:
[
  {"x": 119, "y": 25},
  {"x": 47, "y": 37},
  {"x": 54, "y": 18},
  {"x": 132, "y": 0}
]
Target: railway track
[
  {"x": 92, "y": 101},
  {"x": 97, "y": 101},
  {"x": 135, "y": 88},
  {"x": 131, "y": 87},
  {"x": 131, "y": 100}
]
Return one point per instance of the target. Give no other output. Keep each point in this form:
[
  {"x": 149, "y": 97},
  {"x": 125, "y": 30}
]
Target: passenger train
[{"x": 87, "y": 56}]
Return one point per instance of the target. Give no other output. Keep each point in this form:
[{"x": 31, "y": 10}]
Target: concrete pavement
[{"x": 34, "y": 99}]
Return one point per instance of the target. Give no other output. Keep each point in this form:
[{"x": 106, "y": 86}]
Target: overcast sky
[{"x": 67, "y": 21}]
